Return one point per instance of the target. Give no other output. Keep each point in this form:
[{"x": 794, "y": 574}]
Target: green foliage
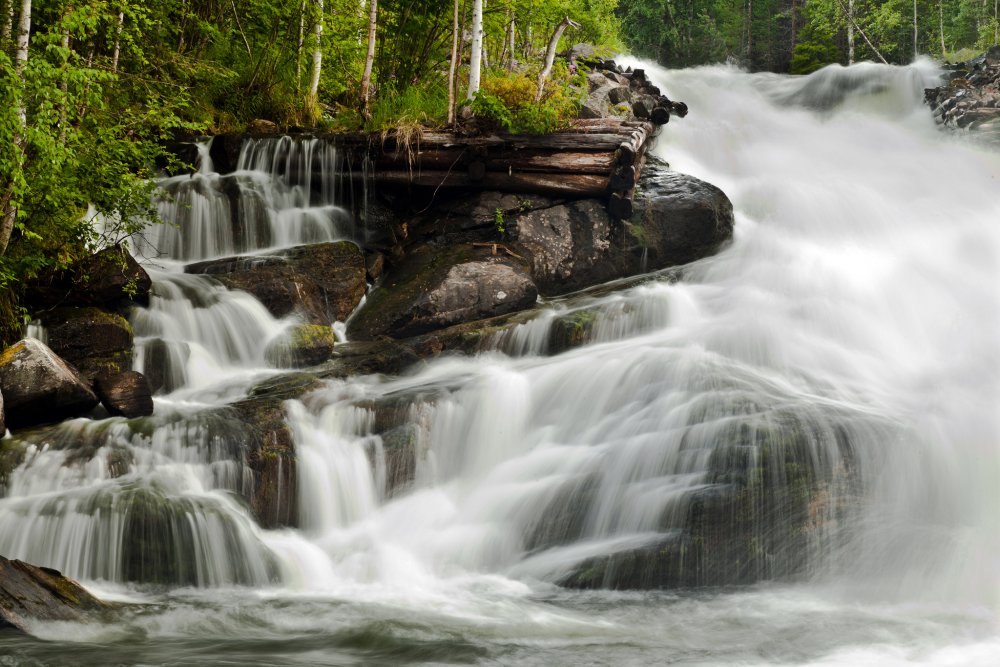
[{"x": 499, "y": 222}]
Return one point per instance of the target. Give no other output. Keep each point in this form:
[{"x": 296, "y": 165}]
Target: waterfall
[{"x": 814, "y": 407}]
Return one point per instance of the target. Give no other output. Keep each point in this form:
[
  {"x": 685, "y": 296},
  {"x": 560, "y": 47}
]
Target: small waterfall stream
[{"x": 827, "y": 385}]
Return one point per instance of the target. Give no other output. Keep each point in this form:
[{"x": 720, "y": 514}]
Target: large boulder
[
  {"x": 109, "y": 279},
  {"x": 125, "y": 394},
  {"x": 676, "y": 219},
  {"x": 569, "y": 246},
  {"x": 39, "y": 387},
  {"x": 322, "y": 282},
  {"x": 29, "y": 594},
  {"x": 96, "y": 342},
  {"x": 437, "y": 287}
]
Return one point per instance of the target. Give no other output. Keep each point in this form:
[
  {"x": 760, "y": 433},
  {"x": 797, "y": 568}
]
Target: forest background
[{"x": 91, "y": 91}]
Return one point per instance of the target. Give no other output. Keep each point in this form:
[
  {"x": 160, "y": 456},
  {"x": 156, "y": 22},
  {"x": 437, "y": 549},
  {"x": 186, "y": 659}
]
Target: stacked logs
[{"x": 593, "y": 158}]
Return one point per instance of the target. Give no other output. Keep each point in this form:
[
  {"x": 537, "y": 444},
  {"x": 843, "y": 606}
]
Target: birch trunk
[
  {"x": 118, "y": 42},
  {"x": 915, "y": 34},
  {"x": 476, "y": 54},
  {"x": 550, "y": 55},
  {"x": 317, "y": 54},
  {"x": 850, "y": 32},
  {"x": 301, "y": 45},
  {"x": 453, "y": 67},
  {"x": 366, "y": 78},
  {"x": 7, "y": 205}
]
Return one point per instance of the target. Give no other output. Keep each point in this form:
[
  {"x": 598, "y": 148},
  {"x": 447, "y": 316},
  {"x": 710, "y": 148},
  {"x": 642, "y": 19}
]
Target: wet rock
[
  {"x": 323, "y": 282},
  {"x": 29, "y": 593},
  {"x": 125, "y": 394},
  {"x": 39, "y": 387},
  {"x": 270, "y": 448},
  {"x": 367, "y": 357},
  {"x": 677, "y": 219},
  {"x": 766, "y": 504},
  {"x": 437, "y": 287},
  {"x": 970, "y": 96},
  {"x": 569, "y": 246},
  {"x": 302, "y": 345},
  {"x": 97, "y": 342},
  {"x": 110, "y": 279},
  {"x": 3, "y": 419}
]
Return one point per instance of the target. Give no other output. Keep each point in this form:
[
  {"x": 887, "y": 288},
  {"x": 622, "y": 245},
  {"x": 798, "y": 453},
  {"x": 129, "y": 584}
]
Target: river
[{"x": 860, "y": 297}]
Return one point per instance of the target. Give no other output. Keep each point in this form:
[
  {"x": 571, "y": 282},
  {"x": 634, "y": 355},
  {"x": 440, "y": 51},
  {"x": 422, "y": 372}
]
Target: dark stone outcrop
[
  {"x": 39, "y": 387},
  {"x": 3, "y": 418},
  {"x": 677, "y": 219},
  {"x": 970, "y": 98},
  {"x": 125, "y": 394},
  {"x": 110, "y": 279},
  {"x": 270, "y": 449},
  {"x": 97, "y": 342},
  {"x": 323, "y": 282},
  {"x": 766, "y": 503},
  {"x": 437, "y": 287},
  {"x": 570, "y": 246},
  {"x": 29, "y": 593},
  {"x": 302, "y": 345}
]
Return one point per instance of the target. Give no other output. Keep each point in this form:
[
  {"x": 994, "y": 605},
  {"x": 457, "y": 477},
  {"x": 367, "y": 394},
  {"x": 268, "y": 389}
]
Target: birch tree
[
  {"x": 8, "y": 208},
  {"x": 317, "y": 54},
  {"x": 476, "y": 53},
  {"x": 366, "y": 77}
]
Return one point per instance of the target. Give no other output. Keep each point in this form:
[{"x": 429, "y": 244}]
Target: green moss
[{"x": 8, "y": 355}]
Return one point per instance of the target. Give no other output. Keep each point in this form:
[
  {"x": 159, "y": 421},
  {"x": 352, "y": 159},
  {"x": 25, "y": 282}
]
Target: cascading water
[{"x": 825, "y": 389}]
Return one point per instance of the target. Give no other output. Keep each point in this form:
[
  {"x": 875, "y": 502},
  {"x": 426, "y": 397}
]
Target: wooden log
[
  {"x": 660, "y": 115},
  {"x": 629, "y": 149},
  {"x": 580, "y": 185},
  {"x": 620, "y": 205},
  {"x": 476, "y": 170},
  {"x": 524, "y": 160},
  {"x": 623, "y": 178}
]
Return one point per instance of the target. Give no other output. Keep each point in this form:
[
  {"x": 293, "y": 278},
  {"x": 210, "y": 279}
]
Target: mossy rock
[{"x": 300, "y": 346}]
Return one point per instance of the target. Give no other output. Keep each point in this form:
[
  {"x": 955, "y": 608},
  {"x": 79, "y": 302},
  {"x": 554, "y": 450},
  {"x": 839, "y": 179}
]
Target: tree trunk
[
  {"x": 366, "y": 77},
  {"x": 7, "y": 204},
  {"x": 453, "y": 67},
  {"x": 302, "y": 43},
  {"x": 550, "y": 55},
  {"x": 850, "y": 32},
  {"x": 941, "y": 26},
  {"x": 317, "y": 55},
  {"x": 118, "y": 42},
  {"x": 510, "y": 42},
  {"x": 915, "y": 34},
  {"x": 476, "y": 55}
]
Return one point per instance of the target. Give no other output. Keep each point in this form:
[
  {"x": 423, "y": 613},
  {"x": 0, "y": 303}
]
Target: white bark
[
  {"x": 118, "y": 42},
  {"x": 476, "y": 54},
  {"x": 366, "y": 77},
  {"x": 21, "y": 59},
  {"x": 298, "y": 50},
  {"x": 317, "y": 53},
  {"x": 453, "y": 67},
  {"x": 8, "y": 209},
  {"x": 550, "y": 55},
  {"x": 915, "y": 30},
  {"x": 850, "y": 32}
]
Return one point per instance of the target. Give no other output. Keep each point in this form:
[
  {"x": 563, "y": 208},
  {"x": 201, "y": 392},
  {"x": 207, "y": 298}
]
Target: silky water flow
[{"x": 790, "y": 449}]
